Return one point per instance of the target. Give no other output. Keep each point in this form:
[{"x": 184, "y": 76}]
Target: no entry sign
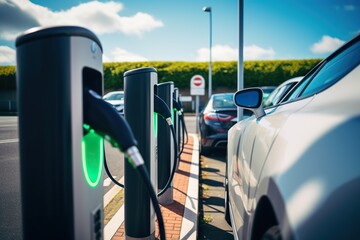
[{"x": 197, "y": 85}]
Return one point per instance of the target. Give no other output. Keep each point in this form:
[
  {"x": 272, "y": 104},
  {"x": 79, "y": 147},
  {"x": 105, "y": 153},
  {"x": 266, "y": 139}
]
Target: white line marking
[
  {"x": 9, "y": 140},
  {"x": 112, "y": 193},
  {"x": 108, "y": 181},
  {"x": 113, "y": 225},
  {"x": 9, "y": 125}
]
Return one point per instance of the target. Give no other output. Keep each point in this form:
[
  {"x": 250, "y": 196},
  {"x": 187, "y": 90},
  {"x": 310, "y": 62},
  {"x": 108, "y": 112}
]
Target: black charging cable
[
  {"x": 163, "y": 110},
  {"x": 183, "y": 123},
  {"x": 110, "y": 175},
  {"x": 179, "y": 110},
  {"x": 108, "y": 123}
]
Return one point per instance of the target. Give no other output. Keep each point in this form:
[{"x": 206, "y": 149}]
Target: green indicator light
[
  {"x": 155, "y": 124},
  {"x": 92, "y": 157}
]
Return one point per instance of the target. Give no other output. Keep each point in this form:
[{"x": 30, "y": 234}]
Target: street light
[{"x": 208, "y": 9}]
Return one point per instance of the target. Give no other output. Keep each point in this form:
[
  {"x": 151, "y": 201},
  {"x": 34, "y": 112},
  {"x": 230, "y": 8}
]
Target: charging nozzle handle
[
  {"x": 162, "y": 108},
  {"x": 106, "y": 121},
  {"x": 177, "y": 106}
]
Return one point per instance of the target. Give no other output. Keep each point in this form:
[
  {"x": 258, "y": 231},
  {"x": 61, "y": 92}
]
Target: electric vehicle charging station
[
  {"x": 176, "y": 118},
  {"x": 139, "y": 87},
  {"x": 165, "y": 144},
  {"x": 61, "y": 169}
]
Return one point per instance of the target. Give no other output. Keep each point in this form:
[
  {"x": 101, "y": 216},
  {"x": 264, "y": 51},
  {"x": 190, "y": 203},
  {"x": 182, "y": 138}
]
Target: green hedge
[
  {"x": 7, "y": 78},
  {"x": 256, "y": 73}
]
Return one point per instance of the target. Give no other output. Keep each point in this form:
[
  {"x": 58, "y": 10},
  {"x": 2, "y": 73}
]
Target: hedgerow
[{"x": 256, "y": 73}]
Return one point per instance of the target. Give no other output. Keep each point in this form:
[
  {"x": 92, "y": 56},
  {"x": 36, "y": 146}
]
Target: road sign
[{"x": 197, "y": 85}]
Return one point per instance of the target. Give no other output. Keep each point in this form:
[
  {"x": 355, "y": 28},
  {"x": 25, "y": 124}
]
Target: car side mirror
[{"x": 250, "y": 98}]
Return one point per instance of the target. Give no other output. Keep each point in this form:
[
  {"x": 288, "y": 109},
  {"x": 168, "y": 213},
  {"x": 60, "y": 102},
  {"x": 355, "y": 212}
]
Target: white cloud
[
  {"x": 327, "y": 44},
  {"x": 121, "y": 55},
  {"x": 8, "y": 35},
  {"x": 226, "y": 53},
  {"x": 7, "y": 55},
  {"x": 349, "y": 8},
  {"x": 100, "y": 17},
  {"x": 254, "y": 52},
  {"x": 219, "y": 53}
]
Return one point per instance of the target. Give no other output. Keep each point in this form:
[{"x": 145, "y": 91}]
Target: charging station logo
[{"x": 94, "y": 47}]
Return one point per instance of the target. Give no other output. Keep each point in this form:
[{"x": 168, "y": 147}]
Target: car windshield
[
  {"x": 223, "y": 101},
  {"x": 114, "y": 96}
]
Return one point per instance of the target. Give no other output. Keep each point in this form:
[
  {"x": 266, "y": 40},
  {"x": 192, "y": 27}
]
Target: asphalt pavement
[
  {"x": 10, "y": 202},
  {"x": 212, "y": 224}
]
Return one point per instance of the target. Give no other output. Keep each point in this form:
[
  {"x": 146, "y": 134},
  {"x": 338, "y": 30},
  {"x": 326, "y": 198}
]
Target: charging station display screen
[{"x": 92, "y": 157}]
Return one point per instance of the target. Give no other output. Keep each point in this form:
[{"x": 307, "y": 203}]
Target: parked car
[
  {"x": 215, "y": 120},
  {"x": 116, "y": 99},
  {"x": 293, "y": 169},
  {"x": 279, "y": 93},
  {"x": 267, "y": 90}
]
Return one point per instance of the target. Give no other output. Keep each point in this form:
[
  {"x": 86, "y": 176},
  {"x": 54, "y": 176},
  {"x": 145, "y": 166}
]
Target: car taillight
[
  {"x": 218, "y": 117},
  {"x": 211, "y": 117},
  {"x": 224, "y": 117}
]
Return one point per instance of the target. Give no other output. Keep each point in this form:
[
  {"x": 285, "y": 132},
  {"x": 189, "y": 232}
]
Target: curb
[{"x": 189, "y": 224}]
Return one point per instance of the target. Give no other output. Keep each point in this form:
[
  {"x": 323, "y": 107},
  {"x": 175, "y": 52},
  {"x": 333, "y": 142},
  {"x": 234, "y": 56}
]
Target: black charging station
[
  {"x": 176, "y": 118},
  {"x": 61, "y": 169},
  {"x": 139, "y": 87},
  {"x": 165, "y": 144}
]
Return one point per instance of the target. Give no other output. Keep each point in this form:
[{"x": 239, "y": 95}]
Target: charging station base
[{"x": 167, "y": 197}]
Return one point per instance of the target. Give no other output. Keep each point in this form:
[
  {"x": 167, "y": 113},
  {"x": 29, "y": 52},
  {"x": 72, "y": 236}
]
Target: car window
[
  {"x": 223, "y": 101},
  {"x": 115, "y": 96},
  {"x": 326, "y": 73},
  {"x": 277, "y": 94},
  {"x": 333, "y": 70}
]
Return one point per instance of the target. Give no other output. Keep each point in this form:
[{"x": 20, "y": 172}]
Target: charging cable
[
  {"x": 184, "y": 129},
  {"x": 162, "y": 108},
  {"x": 109, "y": 173},
  {"x": 108, "y": 123},
  {"x": 179, "y": 110}
]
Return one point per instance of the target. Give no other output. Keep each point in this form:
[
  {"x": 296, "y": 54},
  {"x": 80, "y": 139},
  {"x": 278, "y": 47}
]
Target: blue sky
[{"x": 169, "y": 30}]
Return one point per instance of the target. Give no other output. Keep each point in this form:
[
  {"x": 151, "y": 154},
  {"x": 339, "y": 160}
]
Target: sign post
[{"x": 197, "y": 88}]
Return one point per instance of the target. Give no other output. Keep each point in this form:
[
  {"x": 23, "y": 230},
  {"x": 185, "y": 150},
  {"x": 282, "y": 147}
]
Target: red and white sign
[{"x": 197, "y": 85}]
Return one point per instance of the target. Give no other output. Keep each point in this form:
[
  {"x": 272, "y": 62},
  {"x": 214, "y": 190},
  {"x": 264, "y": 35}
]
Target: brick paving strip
[{"x": 180, "y": 217}]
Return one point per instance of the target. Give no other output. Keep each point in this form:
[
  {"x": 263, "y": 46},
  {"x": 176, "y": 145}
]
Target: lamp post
[{"x": 208, "y": 9}]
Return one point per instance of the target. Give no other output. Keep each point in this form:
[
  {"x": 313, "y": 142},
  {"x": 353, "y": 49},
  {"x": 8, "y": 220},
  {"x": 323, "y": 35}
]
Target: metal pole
[
  {"x": 210, "y": 63},
  {"x": 240, "y": 83},
  {"x": 197, "y": 112}
]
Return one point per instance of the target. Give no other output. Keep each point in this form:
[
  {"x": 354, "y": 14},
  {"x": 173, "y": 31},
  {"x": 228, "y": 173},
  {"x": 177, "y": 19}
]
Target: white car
[
  {"x": 116, "y": 99},
  {"x": 293, "y": 170},
  {"x": 280, "y": 92}
]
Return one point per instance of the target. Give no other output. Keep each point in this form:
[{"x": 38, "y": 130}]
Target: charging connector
[{"x": 162, "y": 108}]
